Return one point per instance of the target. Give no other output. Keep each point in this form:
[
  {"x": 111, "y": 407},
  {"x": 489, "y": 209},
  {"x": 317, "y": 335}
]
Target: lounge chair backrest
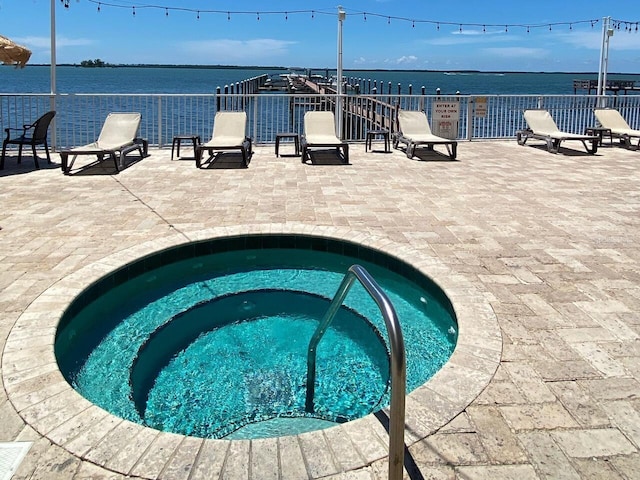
[
  {"x": 41, "y": 126},
  {"x": 319, "y": 124},
  {"x": 540, "y": 121},
  {"x": 413, "y": 123},
  {"x": 611, "y": 119},
  {"x": 230, "y": 125},
  {"x": 119, "y": 128}
]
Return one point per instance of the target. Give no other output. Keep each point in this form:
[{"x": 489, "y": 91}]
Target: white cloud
[
  {"x": 233, "y": 50},
  {"x": 621, "y": 40},
  {"x": 405, "y": 59}
]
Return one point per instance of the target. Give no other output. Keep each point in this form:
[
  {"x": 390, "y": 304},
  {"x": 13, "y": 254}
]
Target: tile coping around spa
[{"x": 46, "y": 402}]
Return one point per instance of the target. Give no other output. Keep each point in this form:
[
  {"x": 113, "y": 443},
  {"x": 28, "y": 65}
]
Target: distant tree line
[{"x": 94, "y": 63}]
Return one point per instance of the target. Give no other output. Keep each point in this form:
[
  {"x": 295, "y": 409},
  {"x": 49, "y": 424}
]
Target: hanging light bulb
[
  {"x": 364, "y": 14},
  {"x": 228, "y": 16},
  {"x": 198, "y": 15},
  {"x": 166, "y": 12},
  {"x": 258, "y": 14},
  {"x": 134, "y": 11},
  {"x": 286, "y": 16},
  {"x": 98, "y": 6}
]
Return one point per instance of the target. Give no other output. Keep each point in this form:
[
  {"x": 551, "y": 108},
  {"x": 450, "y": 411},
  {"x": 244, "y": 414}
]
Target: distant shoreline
[{"x": 276, "y": 68}]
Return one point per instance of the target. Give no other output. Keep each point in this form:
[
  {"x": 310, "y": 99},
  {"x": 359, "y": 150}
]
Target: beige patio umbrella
[{"x": 13, "y": 54}]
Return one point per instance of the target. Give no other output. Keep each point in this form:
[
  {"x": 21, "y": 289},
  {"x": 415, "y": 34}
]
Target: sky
[{"x": 376, "y": 34}]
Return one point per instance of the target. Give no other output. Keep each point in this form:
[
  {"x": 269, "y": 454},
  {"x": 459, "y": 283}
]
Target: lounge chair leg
[
  {"x": 553, "y": 145},
  {"x": 411, "y": 150},
  {"x": 454, "y": 151},
  {"x": 115, "y": 161}
]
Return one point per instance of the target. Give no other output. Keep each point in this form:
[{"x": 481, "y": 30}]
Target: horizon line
[{"x": 272, "y": 67}]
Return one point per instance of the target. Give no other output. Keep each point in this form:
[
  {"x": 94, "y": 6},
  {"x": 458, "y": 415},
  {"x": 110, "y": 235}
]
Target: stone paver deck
[{"x": 536, "y": 250}]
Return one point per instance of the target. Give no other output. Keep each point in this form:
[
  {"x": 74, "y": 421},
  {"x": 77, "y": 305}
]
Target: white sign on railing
[
  {"x": 481, "y": 107},
  {"x": 445, "y": 117}
]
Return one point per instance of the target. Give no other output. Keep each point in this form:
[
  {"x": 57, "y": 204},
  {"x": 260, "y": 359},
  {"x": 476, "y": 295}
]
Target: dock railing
[{"x": 477, "y": 117}]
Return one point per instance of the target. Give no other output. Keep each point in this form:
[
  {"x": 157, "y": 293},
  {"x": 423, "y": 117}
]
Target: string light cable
[{"x": 627, "y": 25}]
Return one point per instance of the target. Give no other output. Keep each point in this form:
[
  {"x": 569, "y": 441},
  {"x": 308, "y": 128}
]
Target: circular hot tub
[
  {"x": 210, "y": 339},
  {"x": 42, "y": 395}
]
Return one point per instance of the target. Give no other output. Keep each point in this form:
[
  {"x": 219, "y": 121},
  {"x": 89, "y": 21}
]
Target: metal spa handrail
[{"x": 397, "y": 367}]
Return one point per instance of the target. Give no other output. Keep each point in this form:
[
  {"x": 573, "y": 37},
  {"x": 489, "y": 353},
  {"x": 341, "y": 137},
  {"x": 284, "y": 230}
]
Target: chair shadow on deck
[
  {"x": 14, "y": 168},
  {"x": 104, "y": 166},
  {"x": 562, "y": 150},
  {"x": 431, "y": 155},
  {"x": 224, "y": 160},
  {"x": 325, "y": 157}
]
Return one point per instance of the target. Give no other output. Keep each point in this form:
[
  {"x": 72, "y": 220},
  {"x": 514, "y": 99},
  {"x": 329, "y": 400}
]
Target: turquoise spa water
[{"x": 216, "y": 346}]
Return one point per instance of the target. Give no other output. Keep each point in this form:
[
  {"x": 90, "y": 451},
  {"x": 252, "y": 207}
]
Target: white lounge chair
[
  {"x": 414, "y": 131},
  {"x": 229, "y": 133},
  {"x": 320, "y": 132},
  {"x": 617, "y": 125},
  {"x": 543, "y": 127},
  {"x": 117, "y": 138}
]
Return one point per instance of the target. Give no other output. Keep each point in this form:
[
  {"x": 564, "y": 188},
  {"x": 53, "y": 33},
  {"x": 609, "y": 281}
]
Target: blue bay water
[{"x": 166, "y": 80}]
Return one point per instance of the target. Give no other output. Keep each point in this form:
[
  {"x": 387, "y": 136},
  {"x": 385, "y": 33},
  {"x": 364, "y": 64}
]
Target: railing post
[
  {"x": 160, "y": 122},
  {"x": 54, "y": 135},
  {"x": 470, "y": 103},
  {"x": 255, "y": 118}
]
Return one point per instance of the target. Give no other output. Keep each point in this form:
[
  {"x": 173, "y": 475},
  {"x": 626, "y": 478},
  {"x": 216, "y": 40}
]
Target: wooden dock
[
  {"x": 615, "y": 86},
  {"x": 368, "y": 112},
  {"x": 369, "y": 109}
]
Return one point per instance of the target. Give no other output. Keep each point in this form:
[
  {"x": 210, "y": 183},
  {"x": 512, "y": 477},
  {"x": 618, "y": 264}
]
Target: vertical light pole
[
  {"x": 607, "y": 33},
  {"x": 341, "y": 16},
  {"x": 52, "y": 98}
]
